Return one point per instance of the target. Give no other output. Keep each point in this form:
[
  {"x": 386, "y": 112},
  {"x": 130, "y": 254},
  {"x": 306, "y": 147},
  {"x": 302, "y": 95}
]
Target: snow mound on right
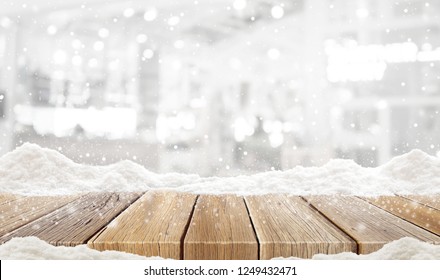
[
  {"x": 415, "y": 168},
  {"x": 406, "y": 248}
]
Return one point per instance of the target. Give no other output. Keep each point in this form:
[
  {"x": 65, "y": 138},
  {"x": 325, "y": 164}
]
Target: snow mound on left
[
  {"x": 32, "y": 170},
  {"x": 32, "y": 248}
]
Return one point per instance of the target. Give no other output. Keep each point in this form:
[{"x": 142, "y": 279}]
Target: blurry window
[{"x": 2, "y": 105}]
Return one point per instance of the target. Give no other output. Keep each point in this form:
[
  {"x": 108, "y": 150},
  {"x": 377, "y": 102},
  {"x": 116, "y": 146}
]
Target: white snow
[
  {"x": 32, "y": 170},
  {"x": 32, "y": 248},
  {"x": 403, "y": 249}
]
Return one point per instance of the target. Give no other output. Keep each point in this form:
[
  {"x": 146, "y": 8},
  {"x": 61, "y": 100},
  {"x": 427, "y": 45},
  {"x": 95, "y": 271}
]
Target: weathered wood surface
[
  {"x": 8, "y": 198},
  {"x": 153, "y": 226},
  {"x": 76, "y": 222},
  {"x": 431, "y": 200},
  {"x": 288, "y": 226},
  {"x": 220, "y": 229},
  {"x": 178, "y": 225},
  {"x": 369, "y": 225},
  {"x": 411, "y": 211},
  {"x": 22, "y": 210}
]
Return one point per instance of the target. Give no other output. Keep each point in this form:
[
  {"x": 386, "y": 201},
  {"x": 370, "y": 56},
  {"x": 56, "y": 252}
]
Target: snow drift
[
  {"x": 403, "y": 249},
  {"x": 32, "y": 248},
  {"x": 32, "y": 170}
]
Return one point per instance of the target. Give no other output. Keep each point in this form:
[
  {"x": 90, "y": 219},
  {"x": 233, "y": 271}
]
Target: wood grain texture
[
  {"x": 428, "y": 200},
  {"x": 8, "y": 198},
  {"x": 220, "y": 229},
  {"x": 411, "y": 211},
  {"x": 77, "y": 221},
  {"x": 23, "y": 210},
  {"x": 153, "y": 226},
  {"x": 369, "y": 225},
  {"x": 288, "y": 226}
]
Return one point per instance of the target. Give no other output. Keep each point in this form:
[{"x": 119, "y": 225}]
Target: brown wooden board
[
  {"x": 24, "y": 210},
  {"x": 153, "y": 226},
  {"x": 411, "y": 211},
  {"x": 77, "y": 221},
  {"x": 220, "y": 229},
  {"x": 428, "y": 200},
  {"x": 8, "y": 198},
  {"x": 287, "y": 226},
  {"x": 369, "y": 225}
]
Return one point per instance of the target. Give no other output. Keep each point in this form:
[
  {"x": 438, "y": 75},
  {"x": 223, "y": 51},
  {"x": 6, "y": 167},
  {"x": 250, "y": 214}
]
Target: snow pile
[
  {"x": 32, "y": 170},
  {"x": 416, "y": 171},
  {"x": 336, "y": 177},
  {"x": 403, "y": 249},
  {"x": 32, "y": 248}
]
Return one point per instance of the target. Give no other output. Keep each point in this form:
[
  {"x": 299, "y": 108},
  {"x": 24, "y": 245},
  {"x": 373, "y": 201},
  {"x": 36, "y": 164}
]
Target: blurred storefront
[
  {"x": 384, "y": 69},
  {"x": 222, "y": 87}
]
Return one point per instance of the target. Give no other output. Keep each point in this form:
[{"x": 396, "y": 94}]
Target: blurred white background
[{"x": 221, "y": 87}]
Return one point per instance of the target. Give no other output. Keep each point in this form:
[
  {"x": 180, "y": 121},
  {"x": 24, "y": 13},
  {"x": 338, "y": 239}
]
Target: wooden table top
[{"x": 188, "y": 226}]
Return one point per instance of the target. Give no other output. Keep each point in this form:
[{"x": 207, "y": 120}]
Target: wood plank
[
  {"x": 288, "y": 226},
  {"x": 8, "y": 198},
  {"x": 24, "y": 210},
  {"x": 153, "y": 226},
  {"x": 431, "y": 200},
  {"x": 77, "y": 221},
  {"x": 220, "y": 229},
  {"x": 369, "y": 225},
  {"x": 411, "y": 211}
]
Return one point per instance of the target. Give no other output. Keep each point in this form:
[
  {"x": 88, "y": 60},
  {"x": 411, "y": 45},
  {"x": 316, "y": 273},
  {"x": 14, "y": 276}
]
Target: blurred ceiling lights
[{"x": 150, "y": 14}]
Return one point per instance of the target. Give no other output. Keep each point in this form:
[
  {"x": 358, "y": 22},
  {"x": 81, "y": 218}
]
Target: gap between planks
[
  {"x": 23, "y": 210},
  {"x": 220, "y": 229},
  {"x": 371, "y": 226},
  {"x": 182, "y": 240},
  {"x": 153, "y": 226},
  {"x": 432, "y": 201},
  {"x": 74, "y": 223},
  {"x": 419, "y": 214},
  {"x": 287, "y": 226}
]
